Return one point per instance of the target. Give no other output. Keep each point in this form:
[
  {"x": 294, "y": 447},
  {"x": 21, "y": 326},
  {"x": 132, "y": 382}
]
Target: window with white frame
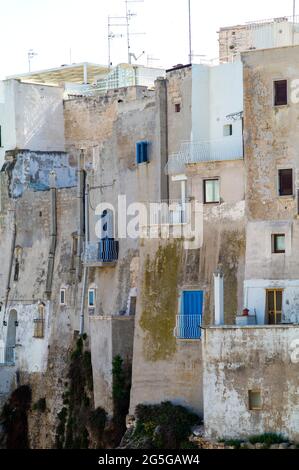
[
  {"x": 62, "y": 297},
  {"x": 91, "y": 298}
]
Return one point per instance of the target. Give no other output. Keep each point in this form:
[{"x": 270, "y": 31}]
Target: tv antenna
[
  {"x": 112, "y": 35},
  {"x": 124, "y": 22},
  {"x": 190, "y": 32},
  {"x": 129, "y": 15},
  {"x": 31, "y": 54}
]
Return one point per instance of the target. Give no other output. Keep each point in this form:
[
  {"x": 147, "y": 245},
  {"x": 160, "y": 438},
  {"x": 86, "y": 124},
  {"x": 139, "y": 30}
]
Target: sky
[{"x": 65, "y": 31}]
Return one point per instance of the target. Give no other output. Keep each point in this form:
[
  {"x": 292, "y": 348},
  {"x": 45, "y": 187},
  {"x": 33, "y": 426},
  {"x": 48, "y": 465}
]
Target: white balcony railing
[
  {"x": 228, "y": 148},
  {"x": 7, "y": 356},
  {"x": 188, "y": 327}
]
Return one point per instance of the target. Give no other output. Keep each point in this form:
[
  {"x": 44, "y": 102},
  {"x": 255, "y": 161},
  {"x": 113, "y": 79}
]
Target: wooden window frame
[{"x": 276, "y": 312}]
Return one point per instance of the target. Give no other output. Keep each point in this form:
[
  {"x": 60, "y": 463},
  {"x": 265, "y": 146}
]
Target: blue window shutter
[
  {"x": 141, "y": 152},
  {"x": 138, "y": 153}
]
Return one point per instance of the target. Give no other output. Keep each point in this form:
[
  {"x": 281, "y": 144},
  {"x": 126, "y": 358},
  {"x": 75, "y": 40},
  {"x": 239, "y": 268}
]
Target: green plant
[
  {"x": 236, "y": 443},
  {"x": 174, "y": 418},
  {"x": 268, "y": 439}
]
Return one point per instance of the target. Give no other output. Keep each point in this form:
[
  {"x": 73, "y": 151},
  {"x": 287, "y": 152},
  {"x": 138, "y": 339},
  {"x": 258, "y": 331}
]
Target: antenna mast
[
  {"x": 190, "y": 32},
  {"x": 294, "y": 17}
]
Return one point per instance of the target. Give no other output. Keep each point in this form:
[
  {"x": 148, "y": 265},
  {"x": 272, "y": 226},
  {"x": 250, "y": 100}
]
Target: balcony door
[
  {"x": 192, "y": 306},
  {"x": 274, "y": 306}
]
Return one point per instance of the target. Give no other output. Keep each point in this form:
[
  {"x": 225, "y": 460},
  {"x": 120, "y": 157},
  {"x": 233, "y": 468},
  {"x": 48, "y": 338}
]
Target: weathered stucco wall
[
  {"x": 237, "y": 360},
  {"x": 164, "y": 368},
  {"x": 110, "y": 337}
]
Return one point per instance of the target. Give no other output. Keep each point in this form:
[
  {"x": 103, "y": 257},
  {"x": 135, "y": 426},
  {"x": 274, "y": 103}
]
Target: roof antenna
[{"x": 190, "y": 32}]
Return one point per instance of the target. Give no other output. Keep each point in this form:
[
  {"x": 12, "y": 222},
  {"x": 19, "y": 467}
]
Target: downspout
[
  {"x": 53, "y": 235},
  {"x": 80, "y": 230},
  {"x": 12, "y": 250},
  {"x": 85, "y": 269}
]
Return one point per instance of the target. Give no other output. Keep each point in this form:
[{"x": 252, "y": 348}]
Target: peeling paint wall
[{"x": 237, "y": 360}]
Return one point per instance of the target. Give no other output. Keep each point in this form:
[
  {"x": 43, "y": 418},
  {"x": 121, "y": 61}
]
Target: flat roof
[{"x": 84, "y": 72}]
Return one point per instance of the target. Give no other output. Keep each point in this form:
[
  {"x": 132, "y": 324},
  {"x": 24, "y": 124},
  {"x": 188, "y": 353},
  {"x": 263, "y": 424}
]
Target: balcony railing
[
  {"x": 228, "y": 148},
  {"x": 188, "y": 327},
  {"x": 7, "y": 356},
  {"x": 103, "y": 253}
]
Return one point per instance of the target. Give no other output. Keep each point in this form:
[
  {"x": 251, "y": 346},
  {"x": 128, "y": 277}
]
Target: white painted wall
[
  {"x": 255, "y": 298},
  {"x": 31, "y": 117},
  {"x": 31, "y": 353},
  {"x": 216, "y": 92}
]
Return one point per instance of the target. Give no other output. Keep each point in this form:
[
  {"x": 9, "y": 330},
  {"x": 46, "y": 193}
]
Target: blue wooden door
[{"x": 192, "y": 306}]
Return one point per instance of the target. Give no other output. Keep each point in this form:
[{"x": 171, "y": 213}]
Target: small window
[
  {"x": 142, "y": 152},
  {"x": 285, "y": 182},
  {"x": 177, "y": 107},
  {"x": 91, "y": 298},
  {"x": 255, "y": 400},
  {"x": 278, "y": 243},
  {"x": 227, "y": 130},
  {"x": 62, "y": 297},
  {"x": 132, "y": 308},
  {"x": 211, "y": 191},
  {"x": 280, "y": 92}
]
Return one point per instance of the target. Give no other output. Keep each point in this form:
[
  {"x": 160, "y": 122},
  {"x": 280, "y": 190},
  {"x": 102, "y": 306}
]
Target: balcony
[
  {"x": 228, "y": 148},
  {"x": 7, "y": 356},
  {"x": 188, "y": 327},
  {"x": 101, "y": 254}
]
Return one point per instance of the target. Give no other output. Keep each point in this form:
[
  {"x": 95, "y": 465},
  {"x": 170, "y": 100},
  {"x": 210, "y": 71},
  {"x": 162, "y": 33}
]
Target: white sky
[{"x": 52, "y": 27}]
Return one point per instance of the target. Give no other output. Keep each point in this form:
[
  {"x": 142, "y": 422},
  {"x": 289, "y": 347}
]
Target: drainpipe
[
  {"x": 53, "y": 235},
  {"x": 12, "y": 250},
  {"x": 80, "y": 229},
  {"x": 218, "y": 298},
  {"x": 85, "y": 269}
]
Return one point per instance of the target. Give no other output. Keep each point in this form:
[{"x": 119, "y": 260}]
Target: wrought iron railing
[
  {"x": 7, "y": 356},
  {"x": 188, "y": 327},
  {"x": 104, "y": 251}
]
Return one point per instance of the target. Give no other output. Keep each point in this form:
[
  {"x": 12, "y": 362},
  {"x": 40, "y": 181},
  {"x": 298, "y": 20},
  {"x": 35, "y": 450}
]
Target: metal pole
[
  {"x": 109, "y": 51},
  {"x": 128, "y": 32},
  {"x": 190, "y": 33},
  {"x": 294, "y": 15}
]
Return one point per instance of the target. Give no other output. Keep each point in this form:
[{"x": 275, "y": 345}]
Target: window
[
  {"x": 285, "y": 178},
  {"x": 274, "y": 306},
  {"x": 227, "y": 130},
  {"x": 62, "y": 299},
  {"x": 39, "y": 322},
  {"x": 211, "y": 191},
  {"x": 91, "y": 298},
  {"x": 255, "y": 400},
  {"x": 141, "y": 152},
  {"x": 278, "y": 243},
  {"x": 177, "y": 107},
  {"x": 280, "y": 92},
  {"x": 132, "y": 305}
]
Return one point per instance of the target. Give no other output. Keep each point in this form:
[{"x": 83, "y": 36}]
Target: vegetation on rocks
[{"x": 163, "y": 426}]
